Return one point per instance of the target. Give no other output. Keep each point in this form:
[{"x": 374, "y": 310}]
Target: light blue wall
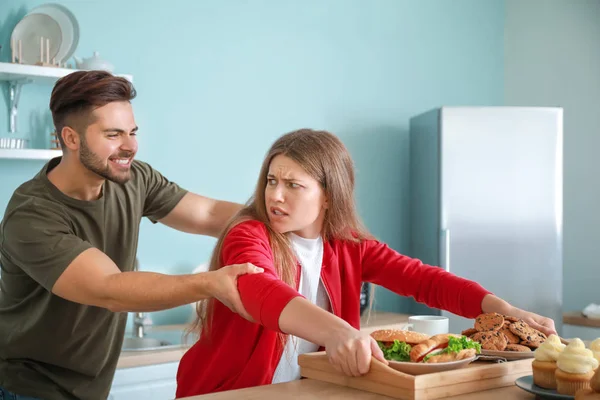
[
  {"x": 218, "y": 81},
  {"x": 552, "y": 58}
]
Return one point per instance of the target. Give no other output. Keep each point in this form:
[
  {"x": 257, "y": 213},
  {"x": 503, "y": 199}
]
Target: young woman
[{"x": 302, "y": 228}]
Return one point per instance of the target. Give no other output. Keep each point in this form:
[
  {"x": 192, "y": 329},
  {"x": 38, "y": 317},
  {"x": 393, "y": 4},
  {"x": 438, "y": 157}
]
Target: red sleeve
[
  {"x": 430, "y": 285},
  {"x": 264, "y": 295}
]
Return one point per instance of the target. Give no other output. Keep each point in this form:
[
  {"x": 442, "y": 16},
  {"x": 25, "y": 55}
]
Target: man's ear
[{"x": 70, "y": 138}]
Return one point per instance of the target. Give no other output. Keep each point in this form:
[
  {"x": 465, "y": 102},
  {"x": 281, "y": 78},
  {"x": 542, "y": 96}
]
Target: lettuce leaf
[
  {"x": 398, "y": 351},
  {"x": 456, "y": 344}
]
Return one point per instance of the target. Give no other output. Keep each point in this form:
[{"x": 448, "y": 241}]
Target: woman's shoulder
[
  {"x": 246, "y": 239},
  {"x": 248, "y": 228}
]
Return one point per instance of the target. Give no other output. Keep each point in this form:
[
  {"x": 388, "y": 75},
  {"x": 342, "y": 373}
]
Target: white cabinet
[{"x": 151, "y": 382}]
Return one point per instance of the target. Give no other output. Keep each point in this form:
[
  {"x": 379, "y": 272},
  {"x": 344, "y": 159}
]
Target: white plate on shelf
[
  {"x": 68, "y": 26},
  {"x": 413, "y": 368},
  {"x": 29, "y": 31},
  {"x": 509, "y": 355}
]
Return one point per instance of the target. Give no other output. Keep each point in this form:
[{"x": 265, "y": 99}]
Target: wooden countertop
[
  {"x": 313, "y": 389},
  {"x": 130, "y": 359},
  {"x": 577, "y": 318}
]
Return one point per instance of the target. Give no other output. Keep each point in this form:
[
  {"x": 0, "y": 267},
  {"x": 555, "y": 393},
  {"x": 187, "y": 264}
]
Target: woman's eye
[
  {"x": 294, "y": 185},
  {"x": 271, "y": 182}
]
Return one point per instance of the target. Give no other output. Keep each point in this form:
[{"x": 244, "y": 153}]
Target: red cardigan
[{"x": 242, "y": 354}]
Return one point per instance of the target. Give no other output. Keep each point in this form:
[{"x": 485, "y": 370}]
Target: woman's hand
[
  {"x": 542, "y": 324},
  {"x": 495, "y": 304},
  {"x": 350, "y": 352}
]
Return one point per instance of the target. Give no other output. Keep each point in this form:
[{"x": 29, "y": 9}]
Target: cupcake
[
  {"x": 592, "y": 393},
  {"x": 595, "y": 348},
  {"x": 544, "y": 364},
  {"x": 576, "y": 366},
  {"x": 595, "y": 382},
  {"x": 587, "y": 394}
]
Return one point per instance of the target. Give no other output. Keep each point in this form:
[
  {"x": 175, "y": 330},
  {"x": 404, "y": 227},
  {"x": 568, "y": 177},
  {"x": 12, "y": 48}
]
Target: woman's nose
[{"x": 277, "y": 194}]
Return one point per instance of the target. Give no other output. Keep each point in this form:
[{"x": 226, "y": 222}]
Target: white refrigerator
[{"x": 486, "y": 202}]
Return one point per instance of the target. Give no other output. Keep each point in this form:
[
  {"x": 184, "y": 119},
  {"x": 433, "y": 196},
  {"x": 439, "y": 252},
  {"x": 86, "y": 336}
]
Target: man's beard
[{"x": 92, "y": 162}]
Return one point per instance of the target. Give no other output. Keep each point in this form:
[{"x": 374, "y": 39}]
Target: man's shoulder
[
  {"x": 141, "y": 169},
  {"x": 32, "y": 195},
  {"x": 31, "y": 205},
  {"x": 143, "y": 173}
]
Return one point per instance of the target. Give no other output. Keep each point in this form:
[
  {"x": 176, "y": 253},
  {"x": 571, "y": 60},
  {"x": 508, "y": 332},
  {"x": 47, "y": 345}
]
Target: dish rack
[{"x": 13, "y": 143}]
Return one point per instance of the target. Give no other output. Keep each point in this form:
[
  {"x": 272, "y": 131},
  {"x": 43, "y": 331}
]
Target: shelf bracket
[{"x": 14, "y": 93}]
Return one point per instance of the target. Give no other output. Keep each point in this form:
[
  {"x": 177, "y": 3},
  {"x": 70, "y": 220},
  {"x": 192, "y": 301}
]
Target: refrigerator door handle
[{"x": 445, "y": 249}]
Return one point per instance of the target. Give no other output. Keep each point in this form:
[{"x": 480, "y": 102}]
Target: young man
[{"x": 68, "y": 243}]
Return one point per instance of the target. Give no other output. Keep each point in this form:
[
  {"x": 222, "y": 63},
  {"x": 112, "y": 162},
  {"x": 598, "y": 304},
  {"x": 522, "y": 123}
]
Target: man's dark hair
[{"x": 76, "y": 95}]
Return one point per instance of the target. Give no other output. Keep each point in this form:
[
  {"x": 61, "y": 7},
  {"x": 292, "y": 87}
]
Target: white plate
[
  {"x": 413, "y": 368},
  {"x": 29, "y": 31},
  {"x": 509, "y": 355},
  {"x": 68, "y": 25}
]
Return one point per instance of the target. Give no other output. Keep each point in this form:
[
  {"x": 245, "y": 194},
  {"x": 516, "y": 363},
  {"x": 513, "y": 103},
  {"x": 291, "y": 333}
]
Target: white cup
[{"x": 427, "y": 324}]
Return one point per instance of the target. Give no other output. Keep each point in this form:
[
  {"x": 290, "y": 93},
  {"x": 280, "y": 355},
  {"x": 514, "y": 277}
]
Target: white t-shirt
[{"x": 310, "y": 255}]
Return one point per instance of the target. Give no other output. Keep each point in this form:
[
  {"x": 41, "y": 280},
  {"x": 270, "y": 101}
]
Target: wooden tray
[{"x": 384, "y": 380}]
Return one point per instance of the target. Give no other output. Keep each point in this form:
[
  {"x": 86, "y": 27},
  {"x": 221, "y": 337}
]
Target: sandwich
[
  {"x": 397, "y": 344},
  {"x": 444, "y": 348}
]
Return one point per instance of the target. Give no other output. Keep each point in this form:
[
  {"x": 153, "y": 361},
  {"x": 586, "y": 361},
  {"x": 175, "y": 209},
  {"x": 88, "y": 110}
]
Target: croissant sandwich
[{"x": 444, "y": 348}]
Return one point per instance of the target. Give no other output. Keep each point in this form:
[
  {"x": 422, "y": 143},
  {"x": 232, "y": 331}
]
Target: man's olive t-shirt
[{"x": 50, "y": 347}]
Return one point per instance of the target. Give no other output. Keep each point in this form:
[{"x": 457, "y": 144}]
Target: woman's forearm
[
  {"x": 303, "y": 319},
  {"x": 495, "y": 304}
]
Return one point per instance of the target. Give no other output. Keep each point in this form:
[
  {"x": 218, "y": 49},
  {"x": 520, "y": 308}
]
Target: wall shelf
[
  {"x": 10, "y": 72},
  {"x": 29, "y": 154}
]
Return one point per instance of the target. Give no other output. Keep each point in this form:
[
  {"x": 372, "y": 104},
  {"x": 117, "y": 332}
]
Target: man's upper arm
[
  {"x": 201, "y": 215},
  {"x": 83, "y": 280},
  {"x": 192, "y": 215}
]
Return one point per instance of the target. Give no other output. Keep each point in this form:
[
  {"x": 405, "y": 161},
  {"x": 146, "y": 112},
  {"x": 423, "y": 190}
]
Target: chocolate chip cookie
[
  {"x": 531, "y": 344},
  {"x": 491, "y": 340},
  {"x": 511, "y": 338},
  {"x": 517, "y": 347},
  {"x": 489, "y": 322},
  {"x": 469, "y": 332},
  {"x": 509, "y": 318},
  {"x": 527, "y": 333}
]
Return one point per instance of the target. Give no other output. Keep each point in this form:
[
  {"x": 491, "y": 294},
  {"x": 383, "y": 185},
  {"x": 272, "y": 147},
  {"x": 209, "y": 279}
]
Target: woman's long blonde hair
[{"x": 324, "y": 157}]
